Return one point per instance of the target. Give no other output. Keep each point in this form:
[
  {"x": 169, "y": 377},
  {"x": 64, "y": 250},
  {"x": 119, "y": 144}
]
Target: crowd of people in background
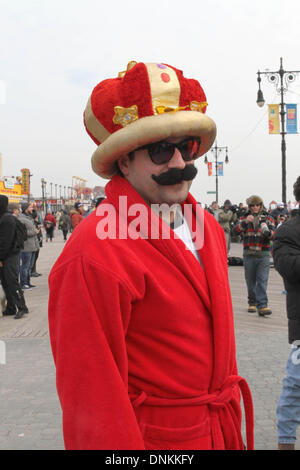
[
  {"x": 254, "y": 225},
  {"x": 228, "y": 216},
  {"x": 18, "y": 260},
  {"x": 22, "y": 231}
]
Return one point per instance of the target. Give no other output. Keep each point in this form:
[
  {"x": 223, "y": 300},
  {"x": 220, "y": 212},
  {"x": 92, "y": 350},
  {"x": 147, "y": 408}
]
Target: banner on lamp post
[
  {"x": 291, "y": 118},
  {"x": 274, "y": 126},
  {"x": 209, "y": 168},
  {"x": 220, "y": 169}
]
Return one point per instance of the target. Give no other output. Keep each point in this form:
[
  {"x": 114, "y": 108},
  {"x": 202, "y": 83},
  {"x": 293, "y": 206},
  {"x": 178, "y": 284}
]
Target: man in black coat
[
  {"x": 286, "y": 254},
  {"x": 9, "y": 262},
  {"x": 280, "y": 211}
]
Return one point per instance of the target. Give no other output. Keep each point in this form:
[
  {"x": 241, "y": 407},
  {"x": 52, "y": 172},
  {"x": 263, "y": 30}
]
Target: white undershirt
[
  {"x": 180, "y": 227},
  {"x": 183, "y": 232}
]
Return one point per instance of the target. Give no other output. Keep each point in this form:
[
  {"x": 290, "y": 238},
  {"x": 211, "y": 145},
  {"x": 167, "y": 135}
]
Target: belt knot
[
  {"x": 220, "y": 398},
  {"x": 215, "y": 400}
]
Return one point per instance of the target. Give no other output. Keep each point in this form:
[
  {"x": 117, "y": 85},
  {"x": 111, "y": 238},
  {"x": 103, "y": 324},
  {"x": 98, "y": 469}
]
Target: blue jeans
[
  {"x": 25, "y": 266},
  {"x": 257, "y": 275},
  {"x": 288, "y": 408}
]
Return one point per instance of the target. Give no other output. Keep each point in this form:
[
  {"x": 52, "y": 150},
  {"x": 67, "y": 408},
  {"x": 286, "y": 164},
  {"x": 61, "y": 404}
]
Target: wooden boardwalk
[
  {"x": 262, "y": 351},
  {"x": 36, "y": 323},
  {"x": 251, "y": 322}
]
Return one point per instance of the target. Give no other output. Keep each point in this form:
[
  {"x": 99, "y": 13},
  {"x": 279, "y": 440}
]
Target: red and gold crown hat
[{"x": 146, "y": 103}]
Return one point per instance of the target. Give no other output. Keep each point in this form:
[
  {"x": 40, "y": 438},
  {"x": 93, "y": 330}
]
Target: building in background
[
  {"x": 11, "y": 188},
  {"x": 16, "y": 188}
]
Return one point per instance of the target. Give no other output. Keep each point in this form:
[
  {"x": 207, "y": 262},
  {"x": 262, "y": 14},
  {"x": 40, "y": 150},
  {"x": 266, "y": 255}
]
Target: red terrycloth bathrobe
[{"x": 143, "y": 338}]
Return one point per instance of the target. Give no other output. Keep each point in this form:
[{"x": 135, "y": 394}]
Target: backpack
[
  {"x": 235, "y": 261},
  {"x": 20, "y": 236}
]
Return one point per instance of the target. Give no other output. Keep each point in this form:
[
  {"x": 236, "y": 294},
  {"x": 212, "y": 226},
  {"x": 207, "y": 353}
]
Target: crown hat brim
[{"x": 152, "y": 129}]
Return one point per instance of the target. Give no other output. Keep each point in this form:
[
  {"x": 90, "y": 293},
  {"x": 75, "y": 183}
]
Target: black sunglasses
[{"x": 162, "y": 152}]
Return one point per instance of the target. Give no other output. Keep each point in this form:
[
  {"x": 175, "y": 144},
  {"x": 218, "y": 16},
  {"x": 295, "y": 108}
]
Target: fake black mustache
[{"x": 176, "y": 175}]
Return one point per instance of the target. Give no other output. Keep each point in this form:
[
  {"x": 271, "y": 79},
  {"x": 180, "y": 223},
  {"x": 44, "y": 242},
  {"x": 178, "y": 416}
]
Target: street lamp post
[
  {"x": 29, "y": 185},
  {"x": 217, "y": 150},
  {"x": 281, "y": 80},
  {"x": 43, "y": 181}
]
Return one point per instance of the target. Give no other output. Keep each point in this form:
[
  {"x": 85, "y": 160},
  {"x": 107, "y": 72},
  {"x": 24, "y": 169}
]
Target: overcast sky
[{"x": 52, "y": 54}]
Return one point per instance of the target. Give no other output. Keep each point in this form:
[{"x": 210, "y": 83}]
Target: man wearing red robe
[{"x": 140, "y": 310}]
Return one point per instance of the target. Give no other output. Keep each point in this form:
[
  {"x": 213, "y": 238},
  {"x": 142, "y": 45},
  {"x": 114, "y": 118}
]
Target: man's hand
[
  {"x": 250, "y": 218},
  {"x": 1, "y": 264}
]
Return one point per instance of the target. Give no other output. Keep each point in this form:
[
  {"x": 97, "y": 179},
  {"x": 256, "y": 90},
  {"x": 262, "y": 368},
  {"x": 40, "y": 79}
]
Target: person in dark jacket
[
  {"x": 9, "y": 262},
  {"x": 65, "y": 224},
  {"x": 279, "y": 212},
  {"x": 38, "y": 226},
  {"x": 226, "y": 217},
  {"x": 286, "y": 254}
]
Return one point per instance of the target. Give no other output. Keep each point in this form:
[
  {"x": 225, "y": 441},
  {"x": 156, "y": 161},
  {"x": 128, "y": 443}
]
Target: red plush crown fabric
[
  {"x": 144, "y": 91},
  {"x": 191, "y": 90}
]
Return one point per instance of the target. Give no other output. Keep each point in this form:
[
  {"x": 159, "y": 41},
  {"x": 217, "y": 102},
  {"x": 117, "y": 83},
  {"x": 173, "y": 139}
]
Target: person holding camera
[
  {"x": 257, "y": 228},
  {"x": 281, "y": 219},
  {"x": 279, "y": 214}
]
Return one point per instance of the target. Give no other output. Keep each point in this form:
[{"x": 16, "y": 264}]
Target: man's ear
[{"x": 123, "y": 163}]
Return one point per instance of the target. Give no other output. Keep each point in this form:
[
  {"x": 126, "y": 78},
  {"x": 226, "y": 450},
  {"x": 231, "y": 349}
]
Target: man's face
[
  {"x": 29, "y": 209},
  {"x": 140, "y": 169},
  {"x": 255, "y": 208},
  {"x": 214, "y": 206}
]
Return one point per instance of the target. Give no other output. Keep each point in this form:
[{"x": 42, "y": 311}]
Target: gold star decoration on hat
[
  {"x": 168, "y": 109},
  {"x": 130, "y": 65},
  {"x": 125, "y": 116},
  {"x": 196, "y": 106}
]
